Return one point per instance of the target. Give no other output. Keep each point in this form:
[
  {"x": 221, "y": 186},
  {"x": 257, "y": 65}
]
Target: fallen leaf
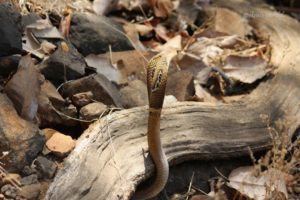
[
  {"x": 133, "y": 34},
  {"x": 40, "y": 29},
  {"x": 102, "y": 64},
  {"x": 23, "y": 88},
  {"x": 238, "y": 25},
  {"x": 102, "y": 7},
  {"x": 133, "y": 4},
  {"x": 161, "y": 32},
  {"x": 246, "y": 69},
  {"x": 47, "y": 47},
  {"x": 143, "y": 29},
  {"x": 173, "y": 43},
  {"x": 44, "y": 29},
  {"x": 206, "y": 50},
  {"x": 162, "y": 8},
  {"x": 31, "y": 44},
  {"x": 258, "y": 188}
]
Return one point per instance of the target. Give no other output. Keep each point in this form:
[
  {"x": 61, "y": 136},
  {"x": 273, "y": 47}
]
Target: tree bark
[{"x": 108, "y": 161}]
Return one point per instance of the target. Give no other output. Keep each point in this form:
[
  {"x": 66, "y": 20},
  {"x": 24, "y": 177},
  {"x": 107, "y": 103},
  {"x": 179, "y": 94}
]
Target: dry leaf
[
  {"x": 261, "y": 187},
  {"x": 174, "y": 43},
  {"x": 162, "y": 8},
  {"x": 133, "y": 34},
  {"x": 40, "y": 29},
  {"x": 47, "y": 47},
  {"x": 143, "y": 29},
  {"x": 23, "y": 88},
  {"x": 246, "y": 69},
  {"x": 238, "y": 25},
  {"x": 206, "y": 49},
  {"x": 44, "y": 29},
  {"x": 103, "y": 65},
  {"x": 102, "y": 7},
  {"x": 32, "y": 45},
  {"x": 161, "y": 32}
]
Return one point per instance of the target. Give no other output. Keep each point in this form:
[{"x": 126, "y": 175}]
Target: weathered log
[{"x": 108, "y": 160}]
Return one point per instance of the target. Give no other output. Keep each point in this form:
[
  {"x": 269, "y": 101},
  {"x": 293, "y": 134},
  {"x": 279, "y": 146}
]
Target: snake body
[{"x": 157, "y": 71}]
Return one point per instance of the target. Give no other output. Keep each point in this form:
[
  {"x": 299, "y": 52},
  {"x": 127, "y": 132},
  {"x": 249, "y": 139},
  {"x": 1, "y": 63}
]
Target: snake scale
[{"x": 157, "y": 71}]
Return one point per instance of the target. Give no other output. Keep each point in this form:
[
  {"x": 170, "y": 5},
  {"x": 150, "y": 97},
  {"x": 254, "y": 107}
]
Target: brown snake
[{"x": 157, "y": 71}]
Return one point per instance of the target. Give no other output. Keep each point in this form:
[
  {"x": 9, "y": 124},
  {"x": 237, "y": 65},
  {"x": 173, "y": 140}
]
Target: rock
[
  {"x": 180, "y": 84},
  {"x": 27, "y": 170},
  {"x": 48, "y": 132},
  {"x": 169, "y": 99},
  {"x": 24, "y": 87},
  {"x": 10, "y": 30},
  {"x": 19, "y": 137},
  {"x": 82, "y": 99},
  {"x": 103, "y": 90},
  {"x": 30, "y": 19},
  {"x": 61, "y": 145},
  {"x": 93, "y": 34},
  {"x": 30, "y": 192},
  {"x": 8, "y": 65},
  {"x": 28, "y": 180},
  {"x": 53, "y": 108},
  {"x": 93, "y": 111},
  {"x": 135, "y": 94},
  {"x": 9, "y": 191},
  {"x": 54, "y": 67},
  {"x": 48, "y": 88},
  {"x": 45, "y": 167}
]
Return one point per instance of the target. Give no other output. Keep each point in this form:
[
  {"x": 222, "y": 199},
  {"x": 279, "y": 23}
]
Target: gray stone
[
  {"x": 54, "y": 67},
  {"x": 9, "y": 191},
  {"x": 53, "y": 109},
  {"x": 135, "y": 94},
  {"x": 27, "y": 170},
  {"x": 93, "y": 111},
  {"x": 28, "y": 180},
  {"x": 10, "y": 30},
  {"x": 19, "y": 137},
  {"x": 93, "y": 34},
  {"x": 82, "y": 99},
  {"x": 103, "y": 90},
  {"x": 46, "y": 167}
]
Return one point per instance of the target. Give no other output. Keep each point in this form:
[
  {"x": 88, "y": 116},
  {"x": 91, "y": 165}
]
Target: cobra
[{"x": 157, "y": 71}]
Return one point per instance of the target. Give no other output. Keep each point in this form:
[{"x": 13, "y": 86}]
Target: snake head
[{"x": 157, "y": 73}]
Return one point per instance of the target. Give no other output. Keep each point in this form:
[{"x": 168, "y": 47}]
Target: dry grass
[{"x": 283, "y": 157}]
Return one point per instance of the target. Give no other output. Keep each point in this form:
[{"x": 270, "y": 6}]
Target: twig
[{"x": 190, "y": 186}]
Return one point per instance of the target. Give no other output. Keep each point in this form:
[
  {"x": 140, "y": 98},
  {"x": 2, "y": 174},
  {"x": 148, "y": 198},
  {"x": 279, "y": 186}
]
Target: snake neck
[{"x": 158, "y": 156}]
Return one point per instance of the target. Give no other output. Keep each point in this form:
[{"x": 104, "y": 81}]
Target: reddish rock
[{"x": 61, "y": 145}]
